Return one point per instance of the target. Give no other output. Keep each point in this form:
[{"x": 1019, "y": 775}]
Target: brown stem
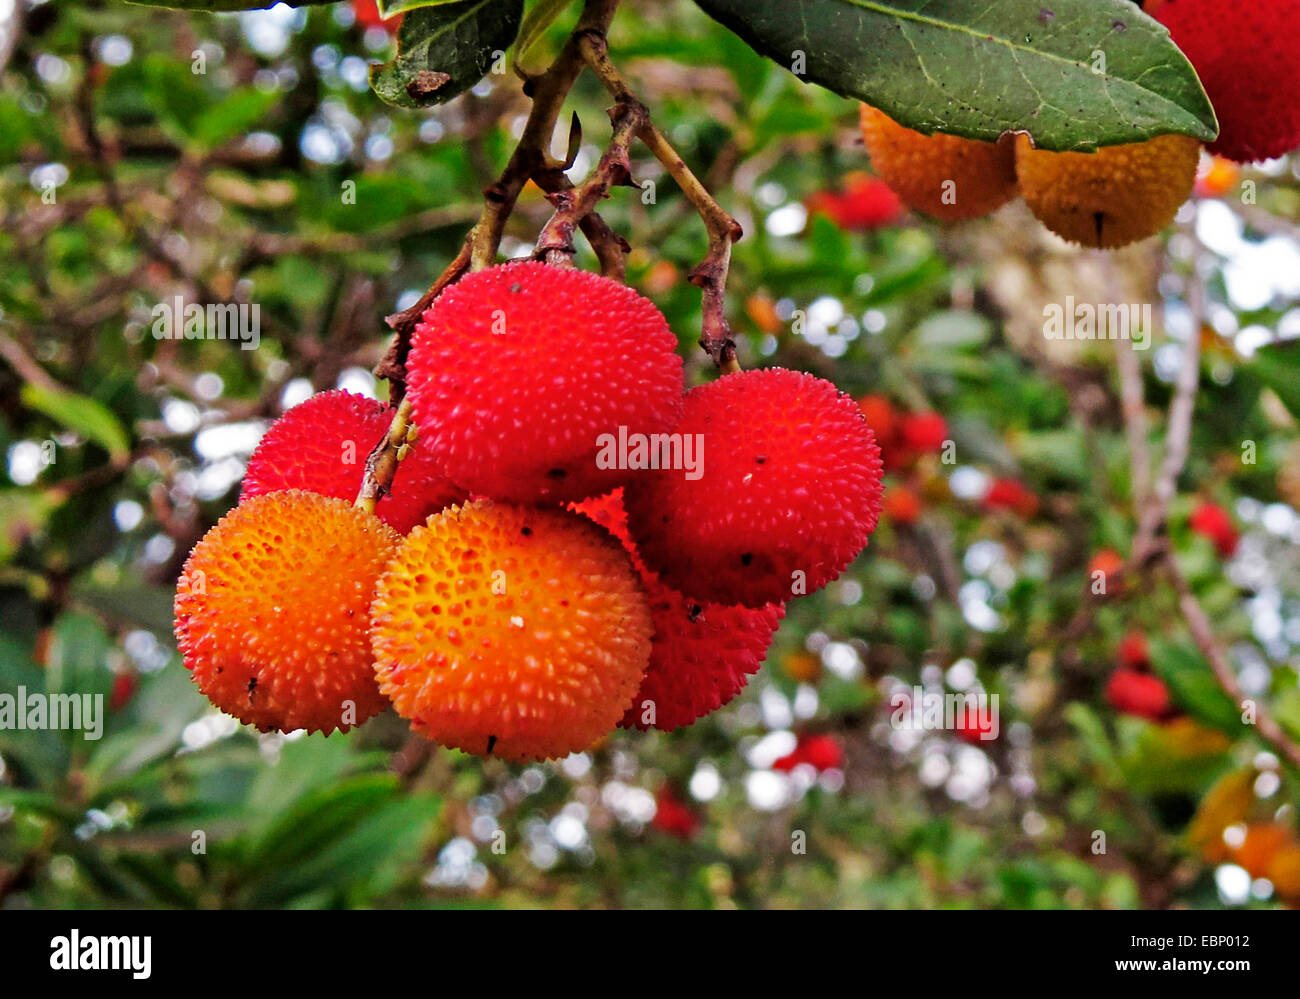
[
  {"x": 381, "y": 465},
  {"x": 1203, "y": 634},
  {"x": 572, "y": 206},
  {"x": 710, "y": 275}
]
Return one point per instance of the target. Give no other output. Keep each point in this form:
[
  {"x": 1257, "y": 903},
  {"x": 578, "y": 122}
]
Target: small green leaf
[
  {"x": 88, "y": 417},
  {"x": 539, "y": 17},
  {"x": 442, "y": 51},
  {"x": 1074, "y": 74},
  {"x": 389, "y": 8},
  {"x": 1278, "y": 367},
  {"x": 234, "y": 116},
  {"x": 1194, "y": 686}
]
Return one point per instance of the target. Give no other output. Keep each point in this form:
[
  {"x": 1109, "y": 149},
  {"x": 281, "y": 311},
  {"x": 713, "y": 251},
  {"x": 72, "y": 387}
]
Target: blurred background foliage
[{"x": 146, "y": 154}]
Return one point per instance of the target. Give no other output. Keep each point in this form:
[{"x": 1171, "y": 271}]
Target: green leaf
[
  {"x": 387, "y": 8},
  {"x": 91, "y": 419},
  {"x": 539, "y": 17},
  {"x": 232, "y": 117},
  {"x": 1194, "y": 686},
  {"x": 953, "y": 330},
  {"x": 23, "y": 512},
  {"x": 442, "y": 51},
  {"x": 1278, "y": 367},
  {"x": 981, "y": 70}
]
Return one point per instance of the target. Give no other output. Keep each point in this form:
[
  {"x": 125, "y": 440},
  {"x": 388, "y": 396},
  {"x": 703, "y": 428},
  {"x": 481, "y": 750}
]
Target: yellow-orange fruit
[
  {"x": 1261, "y": 845},
  {"x": 272, "y": 612},
  {"x": 511, "y": 631},
  {"x": 1284, "y": 871},
  {"x": 1112, "y": 197},
  {"x": 945, "y": 176}
]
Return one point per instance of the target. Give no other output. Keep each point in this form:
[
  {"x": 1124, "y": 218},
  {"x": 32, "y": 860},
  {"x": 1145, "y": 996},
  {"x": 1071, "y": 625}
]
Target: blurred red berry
[
  {"x": 923, "y": 432},
  {"x": 973, "y": 726},
  {"x": 1141, "y": 694},
  {"x": 1133, "y": 652},
  {"x": 1212, "y": 521},
  {"x": 1009, "y": 494},
  {"x": 124, "y": 687},
  {"x": 901, "y": 505},
  {"x": 367, "y": 15},
  {"x": 674, "y": 816},
  {"x": 865, "y": 203},
  {"x": 1110, "y": 564},
  {"x": 821, "y": 752}
]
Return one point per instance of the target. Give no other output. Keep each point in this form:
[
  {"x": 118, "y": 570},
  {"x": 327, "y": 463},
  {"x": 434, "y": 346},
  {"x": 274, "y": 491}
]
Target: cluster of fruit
[
  {"x": 571, "y": 542},
  {"x": 1245, "y": 57}
]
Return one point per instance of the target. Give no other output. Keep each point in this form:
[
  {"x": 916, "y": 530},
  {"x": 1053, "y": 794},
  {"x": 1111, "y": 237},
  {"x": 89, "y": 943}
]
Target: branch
[
  {"x": 1203, "y": 634},
  {"x": 710, "y": 275}
]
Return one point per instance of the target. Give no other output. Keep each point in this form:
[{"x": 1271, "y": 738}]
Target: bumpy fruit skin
[
  {"x": 702, "y": 655},
  {"x": 522, "y": 368},
  {"x": 273, "y": 607},
  {"x": 1110, "y": 198},
  {"x": 512, "y": 632},
  {"x": 321, "y": 445},
  {"x": 789, "y": 491},
  {"x": 918, "y": 167},
  {"x": 1248, "y": 58},
  {"x": 1141, "y": 694}
]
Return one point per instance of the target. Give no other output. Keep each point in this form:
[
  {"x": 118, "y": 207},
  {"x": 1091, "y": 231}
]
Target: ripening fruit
[
  {"x": 1141, "y": 694},
  {"x": 528, "y": 372},
  {"x": 321, "y": 445},
  {"x": 1010, "y": 494},
  {"x": 272, "y": 611},
  {"x": 1260, "y": 846},
  {"x": 367, "y": 15},
  {"x": 1212, "y": 521},
  {"x": 513, "y": 632},
  {"x": 1112, "y": 197},
  {"x": 673, "y": 815},
  {"x": 942, "y": 175},
  {"x": 1106, "y": 567},
  {"x": 924, "y": 433},
  {"x": 1284, "y": 872},
  {"x": 901, "y": 505},
  {"x": 1248, "y": 58},
  {"x": 1133, "y": 652},
  {"x": 881, "y": 417},
  {"x": 787, "y": 494},
  {"x": 974, "y": 726},
  {"x": 1216, "y": 176},
  {"x": 865, "y": 203},
  {"x": 821, "y": 752},
  {"x": 702, "y": 654}
]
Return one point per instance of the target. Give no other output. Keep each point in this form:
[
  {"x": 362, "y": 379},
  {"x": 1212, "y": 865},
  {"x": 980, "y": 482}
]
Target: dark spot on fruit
[
  {"x": 695, "y": 612},
  {"x": 557, "y": 473},
  {"x": 761, "y": 458},
  {"x": 516, "y": 288},
  {"x": 252, "y": 687},
  {"x": 527, "y": 532},
  {"x": 492, "y": 741},
  {"x": 746, "y": 559}
]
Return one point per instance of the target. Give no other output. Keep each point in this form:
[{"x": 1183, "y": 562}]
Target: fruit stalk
[
  {"x": 381, "y": 465},
  {"x": 710, "y": 275}
]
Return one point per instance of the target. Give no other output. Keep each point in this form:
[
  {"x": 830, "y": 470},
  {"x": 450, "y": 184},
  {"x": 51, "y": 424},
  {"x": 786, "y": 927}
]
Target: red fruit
[
  {"x": 702, "y": 654},
  {"x": 531, "y": 374},
  {"x": 1248, "y": 58},
  {"x": 321, "y": 445},
  {"x": 902, "y": 506},
  {"x": 789, "y": 491},
  {"x": 367, "y": 15},
  {"x": 272, "y": 612},
  {"x": 1141, "y": 694},
  {"x": 1133, "y": 653},
  {"x": 924, "y": 432},
  {"x": 821, "y": 752},
  {"x": 1008, "y": 494},
  {"x": 124, "y": 686},
  {"x": 1110, "y": 564},
  {"x": 973, "y": 727},
  {"x": 881, "y": 417},
  {"x": 1212, "y": 521},
  {"x": 674, "y": 816},
  {"x": 865, "y": 203}
]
